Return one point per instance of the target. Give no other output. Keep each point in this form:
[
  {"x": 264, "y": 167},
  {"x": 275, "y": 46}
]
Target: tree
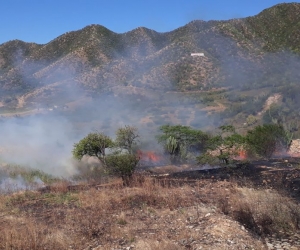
[
  {"x": 94, "y": 144},
  {"x": 178, "y": 141},
  {"x": 172, "y": 147},
  {"x": 126, "y": 138},
  {"x": 226, "y": 144},
  {"x": 266, "y": 139},
  {"x": 116, "y": 163}
]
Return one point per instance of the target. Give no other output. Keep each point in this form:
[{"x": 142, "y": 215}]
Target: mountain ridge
[{"x": 259, "y": 52}]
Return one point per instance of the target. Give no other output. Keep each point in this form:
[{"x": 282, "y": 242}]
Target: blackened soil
[{"x": 281, "y": 174}]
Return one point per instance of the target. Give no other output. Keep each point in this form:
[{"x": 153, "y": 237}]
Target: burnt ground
[{"x": 281, "y": 174}]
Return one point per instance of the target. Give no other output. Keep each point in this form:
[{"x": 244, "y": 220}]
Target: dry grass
[
  {"x": 152, "y": 214},
  {"x": 22, "y": 233},
  {"x": 264, "y": 211}
]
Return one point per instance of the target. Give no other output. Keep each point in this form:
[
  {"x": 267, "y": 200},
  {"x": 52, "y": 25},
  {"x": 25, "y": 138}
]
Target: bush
[
  {"x": 266, "y": 139},
  {"x": 122, "y": 165}
]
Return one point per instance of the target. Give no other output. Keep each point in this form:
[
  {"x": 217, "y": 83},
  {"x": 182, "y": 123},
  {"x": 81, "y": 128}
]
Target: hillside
[
  {"x": 245, "y": 62},
  {"x": 198, "y": 187}
]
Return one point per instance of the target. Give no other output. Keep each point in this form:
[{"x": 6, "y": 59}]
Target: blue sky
[{"x": 41, "y": 21}]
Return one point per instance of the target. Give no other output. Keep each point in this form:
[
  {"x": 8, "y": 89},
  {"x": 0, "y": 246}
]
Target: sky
[{"x": 41, "y": 21}]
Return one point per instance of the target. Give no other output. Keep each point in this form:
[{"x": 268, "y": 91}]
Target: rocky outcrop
[{"x": 294, "y": 149}]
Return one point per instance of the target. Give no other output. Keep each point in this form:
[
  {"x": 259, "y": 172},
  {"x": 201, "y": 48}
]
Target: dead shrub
[{"x": 60, "y": 187}]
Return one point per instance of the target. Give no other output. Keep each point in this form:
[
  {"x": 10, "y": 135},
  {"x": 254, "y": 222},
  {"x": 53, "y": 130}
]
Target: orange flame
[
  {"x": 148, "y": 156},
  {"x": 242, "y": 155}
]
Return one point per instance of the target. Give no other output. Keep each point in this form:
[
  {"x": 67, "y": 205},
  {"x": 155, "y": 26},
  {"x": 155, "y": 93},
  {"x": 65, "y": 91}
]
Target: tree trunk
[{"x": 126, "y": 180}]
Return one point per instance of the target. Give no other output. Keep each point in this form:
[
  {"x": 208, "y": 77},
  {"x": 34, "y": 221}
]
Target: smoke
[
  {"x": 10, "y": 185},
  {"x": 62, "y": 114},
  {"x": 66, "y": 106},
  {"x": 136, "y": 87},
  {"x": 38, "y": 142}
]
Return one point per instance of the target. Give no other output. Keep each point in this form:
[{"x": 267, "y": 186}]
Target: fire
[
  {"x": 148, "y": 156},
  {"x": 242, "y": 155}
]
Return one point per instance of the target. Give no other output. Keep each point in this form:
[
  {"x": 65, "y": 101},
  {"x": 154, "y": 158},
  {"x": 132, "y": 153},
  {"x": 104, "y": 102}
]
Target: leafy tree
[
  {"x": 127, "y": 138},
  {"x": 227, "y": 144},
  {"x": 179, "y": 140},
  {"x": 122, "y": 165},
  {"x": 266, "y": 139},
  {"x": 117, "y": 163},
  {"x": 94, "y": 144},
  {"x": 171, "y": 146}
]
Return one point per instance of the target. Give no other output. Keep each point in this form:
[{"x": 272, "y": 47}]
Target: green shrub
[{"x": 266, "y": 139}]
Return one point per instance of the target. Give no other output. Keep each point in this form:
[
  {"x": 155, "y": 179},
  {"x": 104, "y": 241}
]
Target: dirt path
[
  {"x": 274, "y": 99},
  {"x": 219, "y": 108},
  {"x": 22, "y": 99},
  {"x": 24, "y": 113}
]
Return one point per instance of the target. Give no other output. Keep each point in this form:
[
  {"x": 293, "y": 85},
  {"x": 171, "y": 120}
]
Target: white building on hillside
[{"x": 197, "y": 54}]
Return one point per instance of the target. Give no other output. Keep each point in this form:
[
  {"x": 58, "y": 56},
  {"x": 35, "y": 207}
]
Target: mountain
[{"x": 246, "y": 61}]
